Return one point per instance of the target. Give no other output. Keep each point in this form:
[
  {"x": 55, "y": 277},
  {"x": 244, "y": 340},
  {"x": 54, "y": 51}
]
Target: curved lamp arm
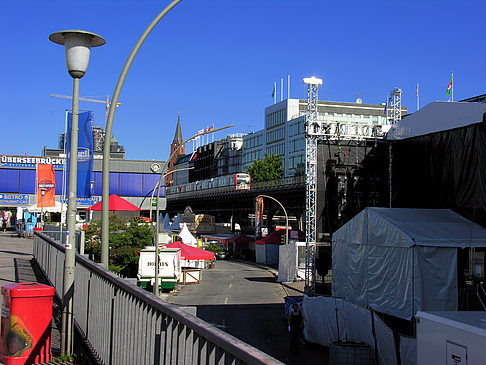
[{"x": 108, "y": 128}]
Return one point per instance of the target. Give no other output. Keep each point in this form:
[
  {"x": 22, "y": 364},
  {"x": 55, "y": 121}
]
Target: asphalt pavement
[{"x": 246, "y": 301}]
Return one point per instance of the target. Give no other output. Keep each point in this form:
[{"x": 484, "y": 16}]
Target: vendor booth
[
  {"x": 399, "y": 261},
  {"x": 117, "y": 206},
  {"x": 267, "y": 249},
  {"x": 192, "y": 256}
]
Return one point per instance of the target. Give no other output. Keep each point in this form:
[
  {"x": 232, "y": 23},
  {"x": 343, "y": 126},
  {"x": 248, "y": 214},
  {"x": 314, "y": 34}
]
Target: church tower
[{"x": 175, "y": 146}]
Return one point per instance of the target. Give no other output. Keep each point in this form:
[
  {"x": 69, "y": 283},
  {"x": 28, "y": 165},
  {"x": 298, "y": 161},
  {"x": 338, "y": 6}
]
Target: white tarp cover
[
  {"x": 320, "y": 322},
  {"x": 287, "y": 257},
  {"x": 435, "y": 117},
  {"x": 385, "y": 343},
  {"x": 187, "y": 237},
  {"x": 408, "y": 350},
  {"x": 398, "y": 261}
]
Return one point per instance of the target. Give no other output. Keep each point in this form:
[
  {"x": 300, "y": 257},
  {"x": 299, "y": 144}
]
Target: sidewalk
[{"x": 17, "y": 266}]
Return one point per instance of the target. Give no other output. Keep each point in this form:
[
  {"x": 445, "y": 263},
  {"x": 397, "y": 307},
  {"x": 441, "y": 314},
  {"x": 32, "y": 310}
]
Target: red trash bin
[{"x": 25, "y": 335}]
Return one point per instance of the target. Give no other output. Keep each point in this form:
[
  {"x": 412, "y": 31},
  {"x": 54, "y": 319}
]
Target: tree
[
  {"x": 126, "y": 239},
  {"x": 270, "y": 168}
]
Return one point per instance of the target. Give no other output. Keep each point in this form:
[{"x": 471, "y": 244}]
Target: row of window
[
  {"x": 252, "y": 156},
  {"x": 275, "y": 118},
  {"x": 253, "y": 141},
  {"x": 295, "y": 162},
  {"x": 275, "y": 135},
  {"x": 296, "y": 145},
  {"x": 277, "y": 149}
]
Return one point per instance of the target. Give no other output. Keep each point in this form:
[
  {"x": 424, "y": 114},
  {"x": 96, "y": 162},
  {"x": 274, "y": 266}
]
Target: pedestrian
[
  {"x": 296, "y": 323},
  {"x": 4, "y": 224}
]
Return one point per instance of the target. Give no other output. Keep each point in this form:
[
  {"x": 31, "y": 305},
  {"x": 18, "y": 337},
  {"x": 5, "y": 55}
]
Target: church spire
[{"x": 178, "y": 133}]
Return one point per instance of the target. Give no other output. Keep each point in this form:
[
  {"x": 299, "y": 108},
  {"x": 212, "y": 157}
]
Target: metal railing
[
  {"x": 481, "y": 293},
  {"x": 123, "y": 324},
  {"x": 255, "y": 186}
]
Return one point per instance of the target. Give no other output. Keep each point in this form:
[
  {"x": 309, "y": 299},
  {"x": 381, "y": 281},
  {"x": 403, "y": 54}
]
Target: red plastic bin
[{"x": 25, "y": 336}]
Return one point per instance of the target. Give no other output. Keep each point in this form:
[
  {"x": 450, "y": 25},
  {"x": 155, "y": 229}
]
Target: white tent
[
  {"x": 187, "y": 236},
  {"x": 435, "y": 117},
  {"x": 398, "y": 261}
]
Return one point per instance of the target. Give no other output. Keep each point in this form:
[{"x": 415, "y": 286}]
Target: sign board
[
  {"x": 84, "y": 202},
  {"x": 15, "y": 199}
]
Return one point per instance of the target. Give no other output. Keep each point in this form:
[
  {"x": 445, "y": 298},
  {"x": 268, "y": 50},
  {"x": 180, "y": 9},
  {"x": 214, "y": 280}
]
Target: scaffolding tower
[
  {"x": 394, "y": 106},
  {"x": 311, "y": 136}
]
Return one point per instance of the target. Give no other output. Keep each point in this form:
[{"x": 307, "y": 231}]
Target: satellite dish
[{"x": 359, "y": 101}]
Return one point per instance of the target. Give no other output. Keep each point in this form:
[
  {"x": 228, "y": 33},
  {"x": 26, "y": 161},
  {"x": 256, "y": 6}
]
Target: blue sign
[
  {"x": 85, "y": 183},
  {"x": 17, "y": 199}
]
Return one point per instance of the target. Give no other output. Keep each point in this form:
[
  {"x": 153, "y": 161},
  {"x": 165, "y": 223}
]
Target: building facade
[{"x": 284, "y": 133}]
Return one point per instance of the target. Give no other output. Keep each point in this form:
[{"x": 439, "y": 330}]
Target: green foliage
[
  {"x": 214, "y": 248},
  {"x": 126, "y": 239},
  {"x": 270, "y": 168}
]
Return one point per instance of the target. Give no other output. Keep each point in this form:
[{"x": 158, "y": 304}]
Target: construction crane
[{"x": 107, "y": 102}]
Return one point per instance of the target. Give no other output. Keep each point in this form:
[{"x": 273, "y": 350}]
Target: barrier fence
[{"x": 123, "y": 324}]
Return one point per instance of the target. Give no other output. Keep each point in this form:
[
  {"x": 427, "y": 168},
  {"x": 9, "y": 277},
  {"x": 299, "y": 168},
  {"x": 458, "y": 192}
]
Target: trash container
[{"x": 25, "y": 335}]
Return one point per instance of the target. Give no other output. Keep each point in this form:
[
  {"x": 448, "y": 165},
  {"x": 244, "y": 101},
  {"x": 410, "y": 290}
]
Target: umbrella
[{"x": 115, "y": 203}]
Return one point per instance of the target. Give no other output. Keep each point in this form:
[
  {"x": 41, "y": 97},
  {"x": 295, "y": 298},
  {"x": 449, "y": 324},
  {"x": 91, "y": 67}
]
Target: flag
[
  {"x": 211, "y": 128},
  {"x": 46, "y": 185},
  {"x": 273, "y": 92},
  {"x": 449, "y": 87},
  {"x": 85, "y": 154}
]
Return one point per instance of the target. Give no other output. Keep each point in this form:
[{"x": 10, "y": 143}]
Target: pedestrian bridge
[{"x": 123, "y": 324}]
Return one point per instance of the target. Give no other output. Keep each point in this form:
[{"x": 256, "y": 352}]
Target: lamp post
[
  {"x": 286, "y": 217},
  {"x": 77, "y": 45},
  {"x": 43, "y": 192}
]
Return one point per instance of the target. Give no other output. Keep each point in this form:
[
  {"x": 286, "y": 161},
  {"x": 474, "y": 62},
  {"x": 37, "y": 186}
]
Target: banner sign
[
  {"x": 24, "y": 161},
  {"x": 84, "y": 202},
  {"x": 17, "y": 199},
  {"x": 85, "y": 183},
  {"x": 46, "y": 186}
]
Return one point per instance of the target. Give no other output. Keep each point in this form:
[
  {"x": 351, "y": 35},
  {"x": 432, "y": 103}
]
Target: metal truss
[{"x": 394, "y": 106}]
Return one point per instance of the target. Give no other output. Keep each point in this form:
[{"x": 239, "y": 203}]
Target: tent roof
[
  {"x": 187, "y": 236},
  {"x": 405, "y": 227},
  {"x": 436, "y": 117},
  {"x": 115, "y": 203},
  {"x": 191, "y": 253}
]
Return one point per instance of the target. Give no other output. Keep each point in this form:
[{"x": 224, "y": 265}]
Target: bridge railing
[
  {"x": 202, "y": 190},
  {"x": 123, "y": 324}
]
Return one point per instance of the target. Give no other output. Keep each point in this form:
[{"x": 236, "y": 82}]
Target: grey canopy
[{"x": 398, "y": 261}]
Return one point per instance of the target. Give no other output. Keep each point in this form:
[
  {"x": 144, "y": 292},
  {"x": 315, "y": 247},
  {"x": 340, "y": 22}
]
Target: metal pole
[
  {"x": 69, "y": 261},
  {"x": 286, "y": 217},
  {"x": 105, "y": 219}
]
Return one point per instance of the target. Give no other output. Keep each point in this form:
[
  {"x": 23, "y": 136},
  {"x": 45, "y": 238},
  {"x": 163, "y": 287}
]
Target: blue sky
[{"x": 216, "y": 61}]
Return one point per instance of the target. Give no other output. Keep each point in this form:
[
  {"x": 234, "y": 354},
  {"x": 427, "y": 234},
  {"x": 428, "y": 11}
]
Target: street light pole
[
  {"x": 286, "y": 216},
  {"x": 77, "y": 45},
  {"x": 105, "y": 218},
  {"x": 43, "y": 192}
]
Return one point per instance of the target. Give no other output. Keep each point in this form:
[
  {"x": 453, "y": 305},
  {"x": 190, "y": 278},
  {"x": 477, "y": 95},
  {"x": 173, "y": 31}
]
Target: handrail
[
  {"x": 478, "y": 293},
  {"x": 105, "y": 305}
]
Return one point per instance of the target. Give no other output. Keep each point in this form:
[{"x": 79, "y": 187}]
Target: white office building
[{"x": 284, "y": 129}]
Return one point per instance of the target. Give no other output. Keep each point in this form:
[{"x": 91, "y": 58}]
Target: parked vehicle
[{"x": 169, "y": 267}]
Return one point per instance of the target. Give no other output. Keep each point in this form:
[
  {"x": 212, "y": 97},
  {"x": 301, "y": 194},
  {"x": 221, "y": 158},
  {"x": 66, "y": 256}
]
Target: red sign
[{"x": 46, "y": 185}]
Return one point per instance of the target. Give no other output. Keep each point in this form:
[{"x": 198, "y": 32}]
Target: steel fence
[{"x": 123, "y": 324}]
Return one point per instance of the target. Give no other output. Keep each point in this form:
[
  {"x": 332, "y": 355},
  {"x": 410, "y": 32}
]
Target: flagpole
[
  {"x": 288, "y": 86},
  {"x": 418, "y": 107},
  {"x": 275, "y": 93},
  {"x": 452, "y": 86},
  {"x": 281, "y": 89}
]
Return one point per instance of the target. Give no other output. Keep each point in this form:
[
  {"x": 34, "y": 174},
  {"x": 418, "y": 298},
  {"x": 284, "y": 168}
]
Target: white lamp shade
[
  {"x": 77, "y": 49},
  {"x": 77, "y": 45}
]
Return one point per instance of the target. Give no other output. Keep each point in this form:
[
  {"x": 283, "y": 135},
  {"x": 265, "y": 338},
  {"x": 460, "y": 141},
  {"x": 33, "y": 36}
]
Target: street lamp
[
  {"x": 286, "y": 217},
  {"x": 43, "y": 192},
  {"x": 77, "y": 45}
]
